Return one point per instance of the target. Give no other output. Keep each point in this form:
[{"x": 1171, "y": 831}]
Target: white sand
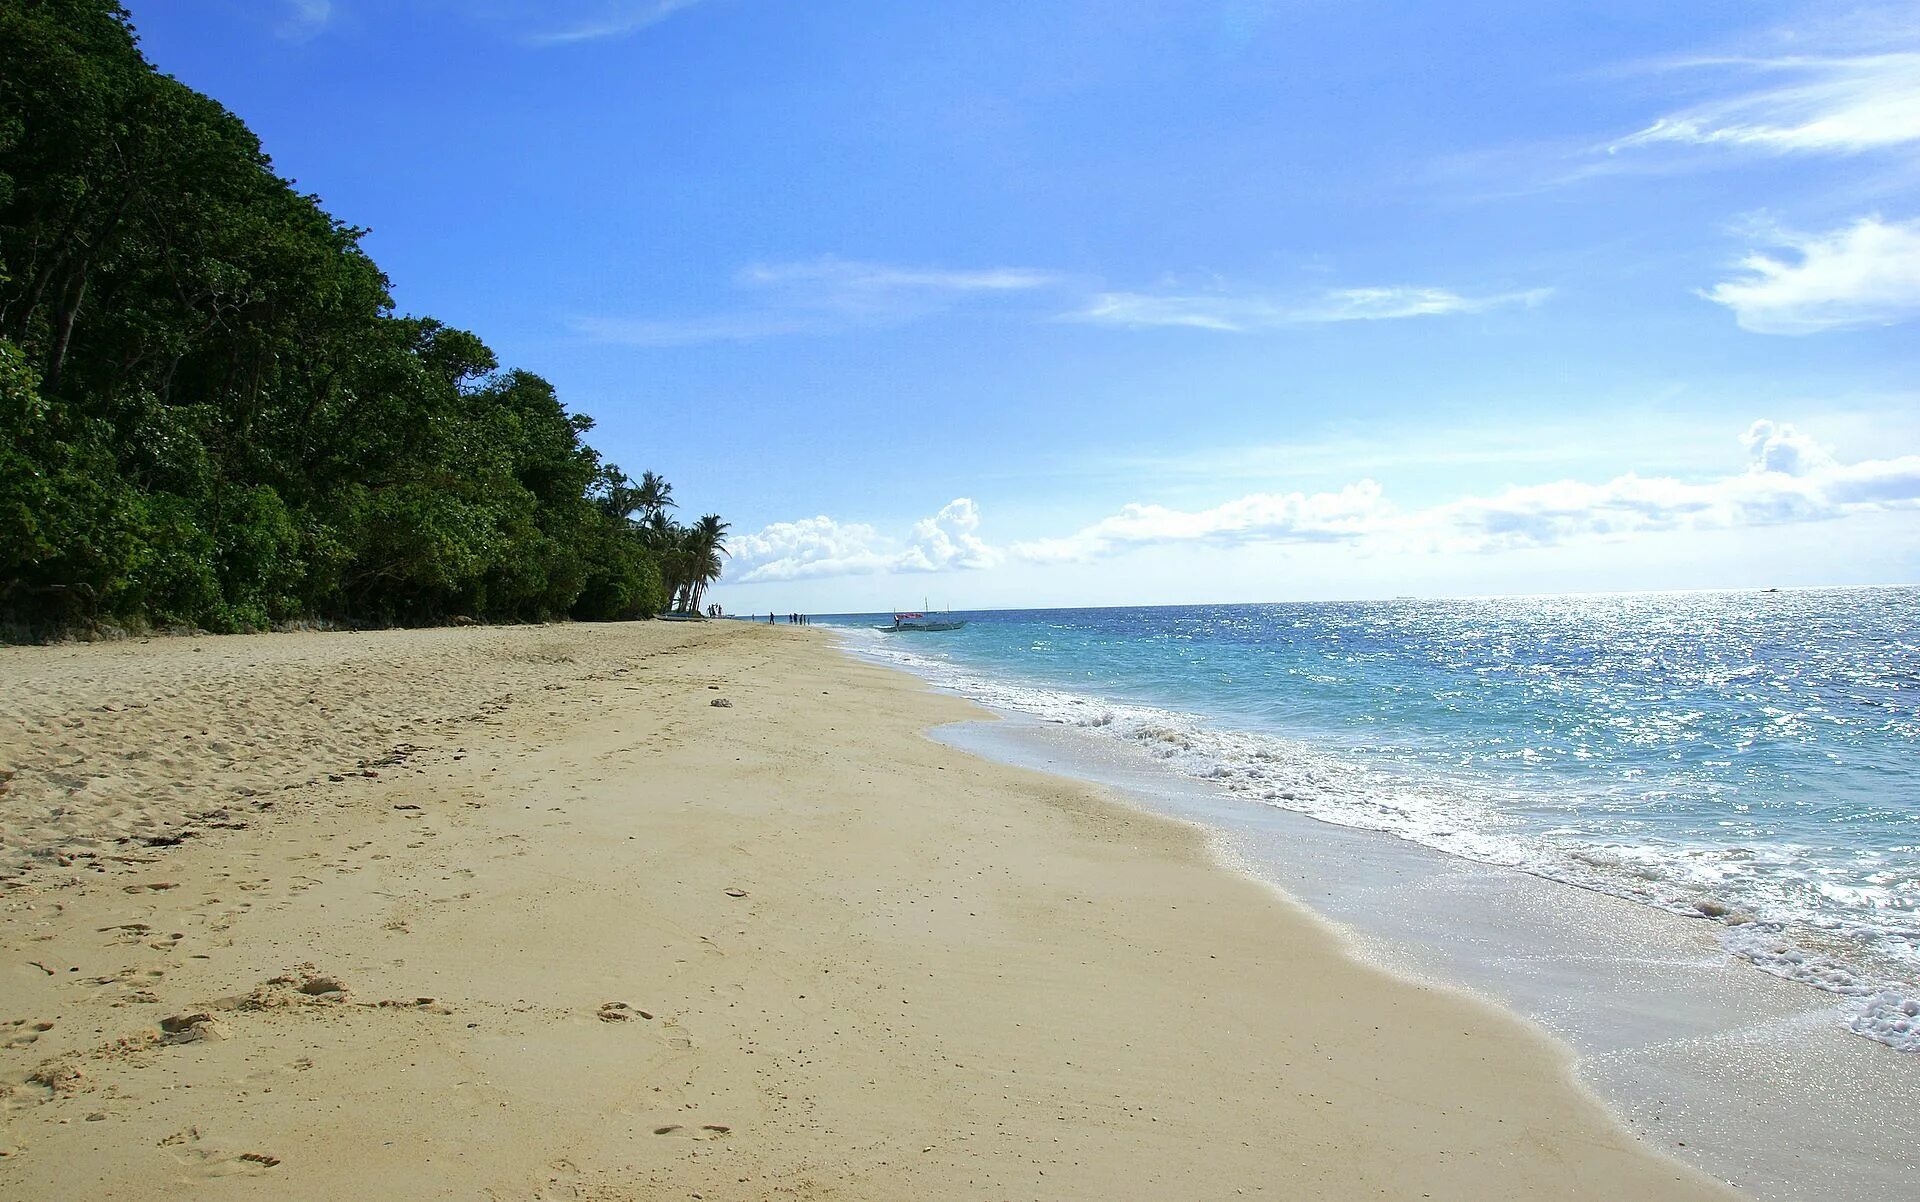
[{"x": 595, "y": 937}]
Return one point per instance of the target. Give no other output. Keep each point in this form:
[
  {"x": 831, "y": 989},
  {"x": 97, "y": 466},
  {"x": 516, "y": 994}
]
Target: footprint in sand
[
  {"x": 619, "y": 1012},
  {"x": 56, "y": 1079},
  {"x": 189, "y": 1149},
  {"x": 22, "y": 1034},
  {"x": 133, "y": 985},
  {"x": 690, "y": 1131}
]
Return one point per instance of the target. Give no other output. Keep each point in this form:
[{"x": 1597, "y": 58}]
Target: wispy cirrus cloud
[
  {"x": 1797, "y": 104},
  {"x": 842, "y": 278},
  {"x": 1239, "y": 312},
  {"x": 819, "y": 547},
  {"x": 1863, "y": 274},
  {"x": 823, "y": 295},
  {"x": 1789, "y": 478},
  {"x": 1843, "y": 85},
  {"x": 829, "y": 294},
  {"x": 866, "y": 291},
  {"x": 304, "y": 19},
  {"x": 1351, "y": 513},
  {"x": 613, "y": 19}
]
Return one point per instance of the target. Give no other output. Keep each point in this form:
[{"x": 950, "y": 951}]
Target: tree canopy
[{"x": 210, "y": 413}]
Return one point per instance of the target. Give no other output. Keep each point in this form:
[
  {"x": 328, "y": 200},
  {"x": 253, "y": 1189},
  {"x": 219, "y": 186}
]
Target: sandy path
[{"x": 609, "y": 940}]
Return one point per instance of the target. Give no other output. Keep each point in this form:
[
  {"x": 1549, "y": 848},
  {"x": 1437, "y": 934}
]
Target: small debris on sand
[
  {"x": 59, "y": 1076},
  {"x": 192, "y": 1028}
]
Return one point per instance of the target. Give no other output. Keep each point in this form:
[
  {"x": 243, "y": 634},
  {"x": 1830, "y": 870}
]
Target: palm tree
[
  {"x": 706, "y": 545},
  {"x": 623, "y": 498},
  {"x": 654, "y": 495},
  {"x": 669, "y": 542},
  {"x": 689, "y": 556}
]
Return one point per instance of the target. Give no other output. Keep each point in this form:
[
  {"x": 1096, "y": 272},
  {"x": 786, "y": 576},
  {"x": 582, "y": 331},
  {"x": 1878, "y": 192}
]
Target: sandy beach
[{"x": 675, "y": 911}]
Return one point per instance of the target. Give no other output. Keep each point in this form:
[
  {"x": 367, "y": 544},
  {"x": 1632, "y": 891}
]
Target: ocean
[{"x": 1751, "y": 759}]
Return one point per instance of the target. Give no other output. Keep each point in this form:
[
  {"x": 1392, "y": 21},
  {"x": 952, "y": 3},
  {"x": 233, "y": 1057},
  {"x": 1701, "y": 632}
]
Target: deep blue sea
[{"x": 1751, "y": 757}]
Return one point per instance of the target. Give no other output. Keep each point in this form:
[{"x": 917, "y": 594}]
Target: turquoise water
[{"x": 1753, "y": 758}]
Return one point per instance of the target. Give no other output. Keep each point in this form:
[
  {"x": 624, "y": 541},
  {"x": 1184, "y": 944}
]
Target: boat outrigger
[{"x": 903, "y": 622}]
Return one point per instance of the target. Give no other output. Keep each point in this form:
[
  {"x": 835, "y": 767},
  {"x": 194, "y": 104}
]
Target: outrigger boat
[{"x": 903, "y": 622}]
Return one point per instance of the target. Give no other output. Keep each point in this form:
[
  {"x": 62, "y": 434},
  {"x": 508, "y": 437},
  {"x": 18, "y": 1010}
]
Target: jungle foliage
[{"x": 211, "y": 415}]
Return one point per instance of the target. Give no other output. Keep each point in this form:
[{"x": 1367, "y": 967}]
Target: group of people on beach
[{"x": 793, "y": 620}]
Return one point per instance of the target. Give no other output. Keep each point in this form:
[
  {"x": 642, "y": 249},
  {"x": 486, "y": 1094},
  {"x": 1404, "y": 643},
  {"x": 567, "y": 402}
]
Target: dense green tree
[{"x": 210, "y": 414}]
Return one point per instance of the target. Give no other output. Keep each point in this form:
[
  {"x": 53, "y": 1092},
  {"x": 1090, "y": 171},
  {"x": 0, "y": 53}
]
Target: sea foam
[{"x": 1773, "y": 913}]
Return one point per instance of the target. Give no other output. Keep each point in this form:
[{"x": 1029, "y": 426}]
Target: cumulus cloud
[
  {"x": 1775, "y": 447},
  {"x": 1789, "y": 478},
  {"x": 1863, "y": 274},
  {"x": 1235, "y": 312},
  {"x": 1800, "y": 104},
  {"x": 948, "y": 539},
  {"x": 818, "y": 547}
]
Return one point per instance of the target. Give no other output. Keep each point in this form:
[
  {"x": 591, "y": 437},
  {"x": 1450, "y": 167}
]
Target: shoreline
[
  {"x": 1779, "y": 923},
  {"x": 1690, "y": 1047},
  {"x": 632, "y": 943}
]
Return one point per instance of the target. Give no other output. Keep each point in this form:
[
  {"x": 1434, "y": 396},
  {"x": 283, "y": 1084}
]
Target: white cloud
[
  {"x": 1353, "y": 512},
  {"x": 948, "y": 539},
  {"x": 305, "y": 19},
  {"x": 808, "y": 548},
  {"x": 1790, "y": 478},
  {"x": 842, "y": 277},
  {"x": 851, "y": 290},
  {"x": 1236, "y": 312},
  {"x": 1810, "y": 103},
  {"x": 818, "y": 547},
  {"x": 1374, "y": 304},
  {"x": 1778, "y": 447},
  {"x": 821, "y": 296},
  {"x": 1196, "y": 312},
  {"x": 616, "y": 19},
  {"x": 1864, "y": 274},
  {"x": 828, "y": 294}
]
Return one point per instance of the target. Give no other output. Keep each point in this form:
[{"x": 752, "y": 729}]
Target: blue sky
[{"x": 1078, "y": 302}]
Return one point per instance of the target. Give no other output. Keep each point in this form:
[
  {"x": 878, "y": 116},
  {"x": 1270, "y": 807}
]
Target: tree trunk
[{"x": 63, "y": 327}]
